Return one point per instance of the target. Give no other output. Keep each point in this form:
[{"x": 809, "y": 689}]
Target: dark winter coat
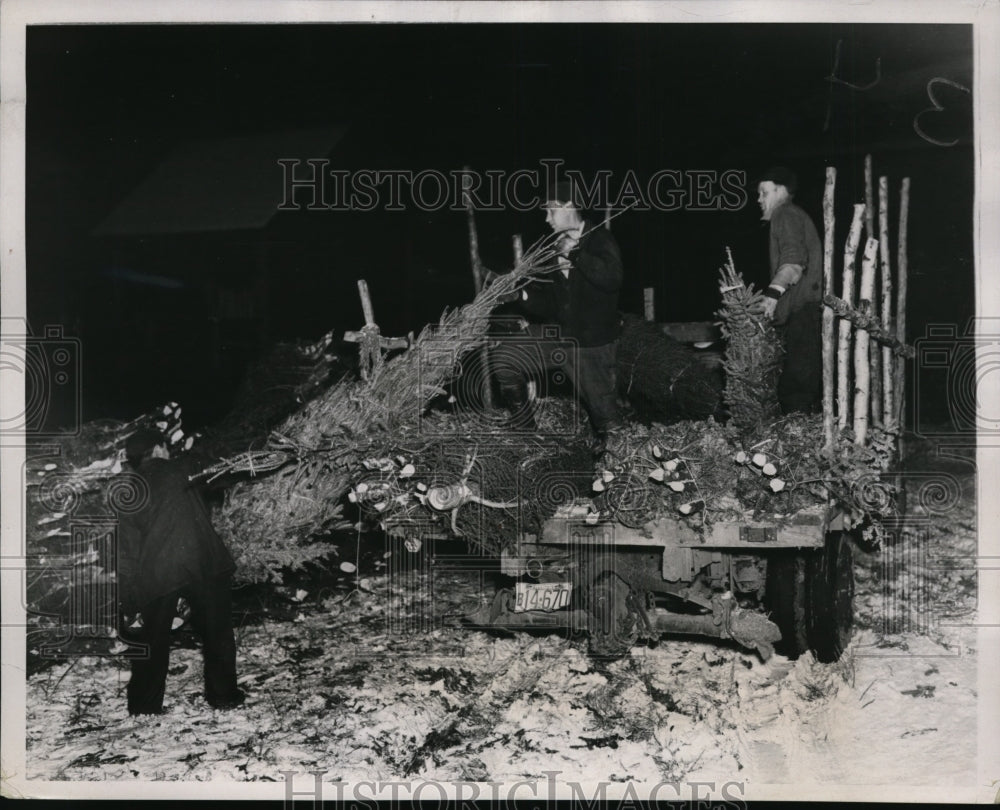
[
  {"x": 794, "y": 240},
  {"x": 585, "y": 305},
  {"x": 169, "y": 543}
]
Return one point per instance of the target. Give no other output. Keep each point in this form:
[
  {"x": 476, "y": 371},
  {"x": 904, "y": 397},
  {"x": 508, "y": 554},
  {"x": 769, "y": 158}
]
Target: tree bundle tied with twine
[{"x": 753, "y": 353}]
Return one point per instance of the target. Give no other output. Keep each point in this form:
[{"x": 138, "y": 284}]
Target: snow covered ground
[{"x": 375, "y": 682}]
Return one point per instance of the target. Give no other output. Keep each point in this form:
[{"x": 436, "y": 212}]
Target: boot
[{"x": 233, "y": 701}]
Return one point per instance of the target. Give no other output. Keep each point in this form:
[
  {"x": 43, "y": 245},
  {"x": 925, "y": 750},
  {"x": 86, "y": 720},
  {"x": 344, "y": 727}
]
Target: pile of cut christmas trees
[
  {"x": 416, "y": 469},
  {"x": 392, "y": 442},
  {"x": 304, "y": 432}
]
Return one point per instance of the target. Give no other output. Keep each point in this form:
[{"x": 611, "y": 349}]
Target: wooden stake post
[
  {"x": 886, "y": 313},
  {"x": 477, "y": 266},
  {"x": 869, "y": 200},
  {"x": 844, "y": 344},
  {"x": 875, "y": 359},
  {"x": 862, "y": 356},
  {"x": 518, "y": 249},
  {"x": 899, "y": 375},
  {"x": 828, "y": 342},
  {"x": 366, "y": 303},
  {"x": 371, "y": 343}
]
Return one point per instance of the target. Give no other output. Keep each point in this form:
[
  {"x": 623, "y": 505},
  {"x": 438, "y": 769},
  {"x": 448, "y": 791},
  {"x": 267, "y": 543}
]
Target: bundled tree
[
  {"x": 664, "y": 379},
  {"x": 753, "y": 353}
]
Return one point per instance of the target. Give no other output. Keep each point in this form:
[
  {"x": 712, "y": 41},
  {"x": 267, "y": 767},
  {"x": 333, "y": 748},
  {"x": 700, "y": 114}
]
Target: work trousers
[
  {"x": 800, "y": 386},
  {"x": 211, "y": 616},
  {"x": 591, "y": 370}
]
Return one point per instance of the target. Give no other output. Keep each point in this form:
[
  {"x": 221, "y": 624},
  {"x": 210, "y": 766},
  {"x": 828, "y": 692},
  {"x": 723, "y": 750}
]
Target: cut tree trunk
[
  {"x": 862, "y": 366},
  {"x": 871, "y": 324},
  {"x": 884, "y": 260},
  {"x": 844, "y": 345},
  {"x": 875, "y": 354},
  {"x": 828, "y": 340},
  {"x": 902, "y": 267}
]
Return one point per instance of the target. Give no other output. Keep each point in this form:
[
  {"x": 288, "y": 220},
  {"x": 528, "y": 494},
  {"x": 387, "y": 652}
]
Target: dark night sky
[{"x": 106, "y": 104}]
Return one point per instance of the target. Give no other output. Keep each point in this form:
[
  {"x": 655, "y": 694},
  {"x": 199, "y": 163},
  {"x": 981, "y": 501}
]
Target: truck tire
[
  {"x": 612, "y": 629},
  {"x": 786, "y": 600},
  {"x": 831, "y": 597}
]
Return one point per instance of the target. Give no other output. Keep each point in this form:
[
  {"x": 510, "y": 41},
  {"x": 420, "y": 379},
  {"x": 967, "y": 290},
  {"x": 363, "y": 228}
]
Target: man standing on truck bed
[
  {"x": 792, "y": 300},
  {"x": 581, "y": 297}
]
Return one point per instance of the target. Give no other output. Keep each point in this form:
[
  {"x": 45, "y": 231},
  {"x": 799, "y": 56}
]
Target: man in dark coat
[
  {"x": 581, "y": 298},
  {"x": 168, "y": 549},
  {"x": 794, "y": 295}
]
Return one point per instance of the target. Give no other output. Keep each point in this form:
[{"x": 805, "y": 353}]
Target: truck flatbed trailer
[{"x": 784, "y": 584}]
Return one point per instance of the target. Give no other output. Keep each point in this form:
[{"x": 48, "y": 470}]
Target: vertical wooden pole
[
  {"x": 886, "y": 313},
  {"x": 901, "y": 269},
  {"x": 862, "y": 356},
  {"x": 366, "y": 302},
  {"x": 875, "y": 385},
  {"x": 648, "y": 303},
  {"x": 607, "y": 218},
  {"x": 369, "y": 357},
  {"x": 477, "y": 276},
  {"x": 846, "y": 327},
  {"x": 828, "y": 341},
  {"x": 869, "y": 200},
  {"x": 875, "y": 364},
  {"x": 518, "y": 258}
]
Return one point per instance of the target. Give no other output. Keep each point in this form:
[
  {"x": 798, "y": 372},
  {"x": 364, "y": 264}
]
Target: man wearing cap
[
  {"x": 168, "y": 549},
  {"x": 793, "y": 298},
  {"x": 581, "y": 297}
]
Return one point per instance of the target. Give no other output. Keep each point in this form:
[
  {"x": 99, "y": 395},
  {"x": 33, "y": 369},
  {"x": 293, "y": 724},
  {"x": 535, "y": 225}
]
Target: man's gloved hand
[
  {"x": 770, "y": 300},
  {"x": 566, "y": 242},
  {"x": 767, "y": 307}
]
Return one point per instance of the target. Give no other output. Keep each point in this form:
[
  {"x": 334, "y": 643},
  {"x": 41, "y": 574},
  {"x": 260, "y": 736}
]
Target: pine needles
[
  {"x": 664, "y": 379},
  {"x": 325, "y": 442},
  {"x": 753, "y": 353}
]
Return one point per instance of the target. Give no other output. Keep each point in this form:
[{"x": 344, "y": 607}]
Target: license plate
[{"x": 541, "y": 595}]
